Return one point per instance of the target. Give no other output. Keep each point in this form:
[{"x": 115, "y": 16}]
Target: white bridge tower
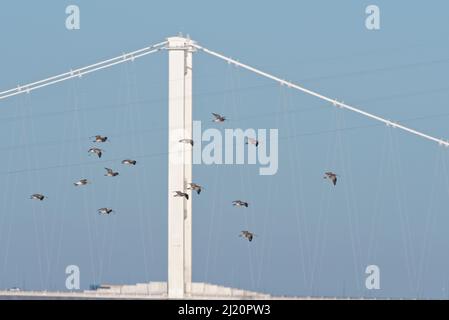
[{"x": 179, "y": 166}]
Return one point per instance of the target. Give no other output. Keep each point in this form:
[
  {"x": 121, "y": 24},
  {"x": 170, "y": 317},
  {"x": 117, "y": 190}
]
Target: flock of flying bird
[
  {"x": 237, "y": 203},
  {"x": 196, "y": 187},
  {"x": 191, "y": 186},
  {"x": 82, "y": 182}
]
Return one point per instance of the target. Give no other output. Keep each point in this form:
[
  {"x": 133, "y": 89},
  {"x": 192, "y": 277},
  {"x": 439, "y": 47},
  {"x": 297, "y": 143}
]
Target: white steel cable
[
  {"x": 148, "y": 224},
  {"x": 295, "y": 168},
  {"x": 130, "y": 56},
  {"x": 322, "y": 97}
]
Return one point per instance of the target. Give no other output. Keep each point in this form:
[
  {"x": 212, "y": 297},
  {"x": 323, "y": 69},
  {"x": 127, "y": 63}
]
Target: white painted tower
[{"x": 179, "y": 167}]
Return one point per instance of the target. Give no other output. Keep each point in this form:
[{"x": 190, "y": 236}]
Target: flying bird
[
  {"x": 129, "y": 162},
  {"x": 252, "y": 141},
  {"x": 110, "y": 173},
  {"x": 331, "y": 176},
  {"x": 37, "y": 196},
  {"x": 218, "y": 118},
  {"x": 97, "y": 151},
  {"x": 195, "y": 187},
  {"x": 181, "y": 194},
  {"x": 99, "y": 138},
  {"x": 248, "y": 235},
  {"x": 240, "y": 203},
  {"x": 105, "y": 211},
  {"x": 189, "y": 141},
  {"x": 81, "y": 182}
]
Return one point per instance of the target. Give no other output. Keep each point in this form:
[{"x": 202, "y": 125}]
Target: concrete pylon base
[{"x": 196, "y": 290}]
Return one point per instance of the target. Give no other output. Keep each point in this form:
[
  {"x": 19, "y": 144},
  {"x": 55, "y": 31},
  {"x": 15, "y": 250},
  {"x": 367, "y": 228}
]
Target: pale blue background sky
[{"x": 389, "y": 207}]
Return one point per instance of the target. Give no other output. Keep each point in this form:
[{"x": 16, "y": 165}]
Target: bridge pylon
[{"x": 179, "y": 166}]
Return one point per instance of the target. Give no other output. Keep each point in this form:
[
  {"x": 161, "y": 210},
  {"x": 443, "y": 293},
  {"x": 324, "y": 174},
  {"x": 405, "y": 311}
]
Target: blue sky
[{"x": 388, "y": 209}]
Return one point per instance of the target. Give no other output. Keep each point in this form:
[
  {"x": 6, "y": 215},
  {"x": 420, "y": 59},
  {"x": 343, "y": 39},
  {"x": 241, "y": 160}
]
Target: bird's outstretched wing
[{"x": 334, "y": 180}]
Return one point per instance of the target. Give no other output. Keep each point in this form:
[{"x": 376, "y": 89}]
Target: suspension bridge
[{"x": 180, "y": 74}]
